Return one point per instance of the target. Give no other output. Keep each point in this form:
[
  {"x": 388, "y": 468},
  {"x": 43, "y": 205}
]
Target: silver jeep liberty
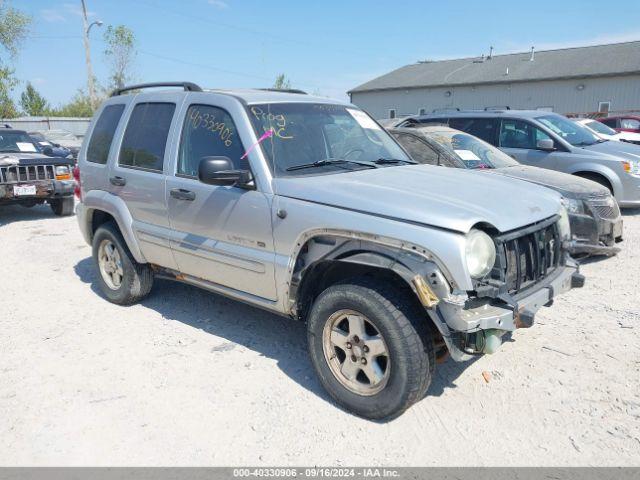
[{"x": 306, "y": 207}]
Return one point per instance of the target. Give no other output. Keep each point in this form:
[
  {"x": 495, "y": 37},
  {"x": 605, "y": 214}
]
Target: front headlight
[
  {"x": 63, "y": 172},
  {"x": 631, "y": 166},
  {"x": 573, "y": 205},
  {"x": 480, "y": 253},
  {"x": 564, "y": 227}
]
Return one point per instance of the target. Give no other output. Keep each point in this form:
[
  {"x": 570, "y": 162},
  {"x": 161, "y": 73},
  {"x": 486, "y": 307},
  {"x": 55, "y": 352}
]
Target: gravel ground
[{"x": 191, "y": 378}]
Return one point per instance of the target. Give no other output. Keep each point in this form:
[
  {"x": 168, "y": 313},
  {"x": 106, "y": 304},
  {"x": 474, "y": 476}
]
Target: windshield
[
  {"x": 16, "y": 142},
  {"x": 38, "y": 137},
  {"x": 472, "y": 152},
  {"x": 600, "y": 127},
  {"x": 331, "y": 138},
  {"x": 574, "y": 133}
]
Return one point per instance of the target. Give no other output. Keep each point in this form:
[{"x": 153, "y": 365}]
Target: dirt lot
[{"x": 191, "y": 378}]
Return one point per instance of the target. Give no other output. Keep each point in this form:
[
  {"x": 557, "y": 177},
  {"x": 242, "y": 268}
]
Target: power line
[
  {"x": 202, "y": 65},
  {"x": 230, "y": 72},
  {"x": 52, "y": 37},
  {"x": 260, "y": 33}
]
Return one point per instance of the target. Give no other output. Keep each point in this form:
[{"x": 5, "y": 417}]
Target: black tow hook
[
  {"x": 525, "y": 318},
  {"x": 577, "y": 280}
]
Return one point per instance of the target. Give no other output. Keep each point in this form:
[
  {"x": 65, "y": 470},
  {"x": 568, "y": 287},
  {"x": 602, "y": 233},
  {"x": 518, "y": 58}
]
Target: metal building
[{"x": 601, "y": 78}]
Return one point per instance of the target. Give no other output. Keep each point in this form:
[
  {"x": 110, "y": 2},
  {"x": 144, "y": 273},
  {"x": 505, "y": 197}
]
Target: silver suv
[{"x": 306, "y": 207}]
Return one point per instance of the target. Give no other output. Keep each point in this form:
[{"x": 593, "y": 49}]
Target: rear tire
[
  {"x": 121, "y": 279},
  {"x": 62, "y": 206},
  {"x": 401, "y": 376}
]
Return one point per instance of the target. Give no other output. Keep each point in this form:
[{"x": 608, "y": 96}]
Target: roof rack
[
  {"x": 284, "y": 90},
  {"x": 497, "y": 107},
  {"x": 445, "y": 109},
  {"x": 187, "y": 86}
]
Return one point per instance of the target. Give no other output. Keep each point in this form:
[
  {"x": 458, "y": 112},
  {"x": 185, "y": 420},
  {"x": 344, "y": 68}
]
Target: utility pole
[{"x": 87, "y": 53}]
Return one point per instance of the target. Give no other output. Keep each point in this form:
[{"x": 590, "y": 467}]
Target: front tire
[
  {"x": 62, "y": 206},
  {"x": 121, "y": 279},
  {"x": 371, "y": 347}
]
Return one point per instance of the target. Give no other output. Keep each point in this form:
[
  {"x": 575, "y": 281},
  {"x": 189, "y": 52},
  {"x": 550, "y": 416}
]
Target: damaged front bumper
[
  {"x": 42, "y": 191},
  {"x": 594, "y": 236},
  {"x": 471, "y": 327}
]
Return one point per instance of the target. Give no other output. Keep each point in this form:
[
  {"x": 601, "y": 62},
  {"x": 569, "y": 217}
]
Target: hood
[
  {"x": 624, "y": 150},
  {"x": 567, "y": 185},
  {"x": 448, "y": 198},
  {"x": 71, "y": 144},
  {"x": 10, "y": 159}
]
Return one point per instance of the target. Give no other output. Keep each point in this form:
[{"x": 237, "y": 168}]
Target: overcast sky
[{"x": 326, "y": 47}]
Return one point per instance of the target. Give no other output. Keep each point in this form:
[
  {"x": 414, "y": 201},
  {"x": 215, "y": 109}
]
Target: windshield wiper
[
  {"x": 388, "y": 161},
  {"x": 329, "y": 161}
]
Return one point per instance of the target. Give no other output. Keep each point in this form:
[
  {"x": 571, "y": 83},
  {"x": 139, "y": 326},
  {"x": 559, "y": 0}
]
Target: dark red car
[{"x": 623, "y": 123}]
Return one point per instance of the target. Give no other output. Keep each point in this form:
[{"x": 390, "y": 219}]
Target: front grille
[
  {"x": 604, "y": 207},
  {"x": 525, "y": 257},
  {"x": 27, "y": 173}
]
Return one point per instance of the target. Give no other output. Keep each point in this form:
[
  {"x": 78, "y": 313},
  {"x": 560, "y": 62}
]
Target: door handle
[
  {"x": 182, "y": 194},
  {"x": 118, "y": 181}
]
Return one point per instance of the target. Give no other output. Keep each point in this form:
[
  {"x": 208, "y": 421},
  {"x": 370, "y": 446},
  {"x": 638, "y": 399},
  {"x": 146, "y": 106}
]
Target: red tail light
[{"x": 77, "y": 190}]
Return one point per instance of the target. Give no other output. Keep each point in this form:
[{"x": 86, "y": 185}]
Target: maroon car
[{"x": 623, "y": 123}]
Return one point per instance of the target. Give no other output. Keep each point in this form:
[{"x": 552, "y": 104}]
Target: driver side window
[
  {"x": 208, "y": 132},
  {"x": 417, "y": 149},
  {"x": 520, "y": 134}
]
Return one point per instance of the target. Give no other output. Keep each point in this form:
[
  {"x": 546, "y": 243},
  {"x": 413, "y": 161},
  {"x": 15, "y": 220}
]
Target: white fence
[{"x": 75, "y": 125}]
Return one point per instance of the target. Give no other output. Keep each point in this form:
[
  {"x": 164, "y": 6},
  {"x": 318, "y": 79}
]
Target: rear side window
[
  {"x": 484, "y": 128},
  {"x": 102, "y": 136},
  {"x": 611, "y": 122},
  {"x": 145, "y": 138},
  {"x": 630, "y": 123},
  {"x": 208, "y": 132}
]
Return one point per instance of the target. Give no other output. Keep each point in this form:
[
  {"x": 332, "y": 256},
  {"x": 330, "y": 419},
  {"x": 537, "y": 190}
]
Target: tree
[
  {"x": 120, "y": 53},
  {"x": 32, "y": 102},
  {"x": 14, "y": 26},
  {"x": 7, "y": 83},
  {"x": 78, "y": 106},
  {"x": 282, "y": 82}
]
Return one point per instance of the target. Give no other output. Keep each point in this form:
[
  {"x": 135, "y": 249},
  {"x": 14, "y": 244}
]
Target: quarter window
[
  {"x": 145, "y": 138},
  {"x": 519, "y": 134},
  {"x": 208, "y": 132},
  {"x": 103, "y": 132}
]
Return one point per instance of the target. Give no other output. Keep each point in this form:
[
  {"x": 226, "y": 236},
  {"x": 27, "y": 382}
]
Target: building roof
[{"x": 578, "y": 62}]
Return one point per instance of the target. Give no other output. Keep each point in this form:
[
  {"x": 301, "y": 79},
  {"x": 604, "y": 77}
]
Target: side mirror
[
  {"x": 219, "y": 171},
  {"x": 48, "y": 151},
  {"x": 545, "y": 144}
]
